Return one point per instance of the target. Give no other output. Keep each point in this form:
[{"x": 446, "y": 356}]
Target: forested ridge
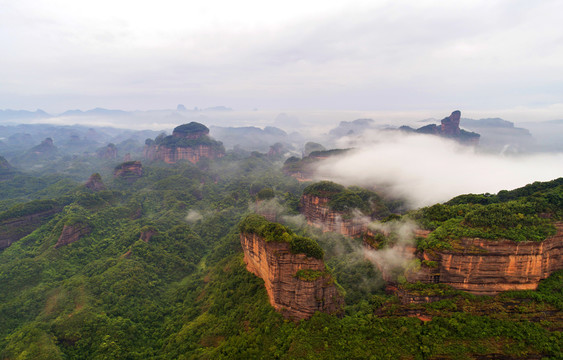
[{"x": 185, "y": 293}]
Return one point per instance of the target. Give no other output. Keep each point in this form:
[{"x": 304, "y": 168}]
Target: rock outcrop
[
  {"x": 72, "y": 233},
  {"x": 449, "y": 127},
  {"x": 108, "y": 152},
  {"x": 147, "y": 234},
  {"x": 95, "y": 183},
  {"x": 129, "y": 170},
  {"x": 296, "y": 298},
  {"x": 318, "y": 213},
  {"x": 304, "y": 169},
  {"x": 187, "y": 142},
  {"x": 487, "y": 267},
  {"x": 13, "y": 228}
]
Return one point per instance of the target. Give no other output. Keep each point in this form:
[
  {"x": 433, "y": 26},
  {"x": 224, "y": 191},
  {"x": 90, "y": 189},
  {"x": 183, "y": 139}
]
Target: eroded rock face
[
  {"x": 11, "y": 230},
  {"x": 95, "y": 183},
  {"x": 72, "y": 233},
  {"x": 129, "y": 170},
  {"x": 277, "y": 266},
  {"x": 450, "y": 124},
  {"x": 449, "y": 127},
  {"x": 147, "y": 235},
  {"x": 487, "y": 267},
  {"x": 172, "y": 155},
  {"x": 187, "y": 142},
  {"x": 317, "y": 212}
]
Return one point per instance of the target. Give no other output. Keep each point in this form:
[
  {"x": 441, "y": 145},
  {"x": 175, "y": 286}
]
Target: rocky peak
[
  {"x": 191, "y": 131},
  {"x": 449, "y": 128},
  {"x": 95, "y": 183},
  {"x": 129, "y": 170},
  {"x": 450, "y": 124},
  {"x": 46, "y": 147},
  {"x": 188, "y": 142}
]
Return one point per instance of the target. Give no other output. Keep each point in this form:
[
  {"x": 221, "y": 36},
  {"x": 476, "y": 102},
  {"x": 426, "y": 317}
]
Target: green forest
[{"x": 159, "y": 274}]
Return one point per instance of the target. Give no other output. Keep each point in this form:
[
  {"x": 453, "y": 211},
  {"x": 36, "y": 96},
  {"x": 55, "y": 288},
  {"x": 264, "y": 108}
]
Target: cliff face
[
  {"x": 72, "y": 233},
  {"x": 317, "y": 212},
  {"x": 187, "y": 142},
  {"x": 487, "y": 267},
  {"x": 171, "y": 155},
  {"x": 11, "y": 230},
  {"x": 130, "y": 170},
  {"x": 95, "y": 183},
  {"x": 289, "y": 294}
]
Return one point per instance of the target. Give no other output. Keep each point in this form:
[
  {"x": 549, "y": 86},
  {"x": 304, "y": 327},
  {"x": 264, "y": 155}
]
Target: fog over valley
[{"x": 332, "y": 180}]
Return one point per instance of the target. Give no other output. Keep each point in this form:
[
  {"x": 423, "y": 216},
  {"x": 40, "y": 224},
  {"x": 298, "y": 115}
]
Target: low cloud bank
[{"x": 426, "y": 169}]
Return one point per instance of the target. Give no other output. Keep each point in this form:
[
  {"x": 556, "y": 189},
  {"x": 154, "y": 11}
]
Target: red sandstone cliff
[
  {"x": 171, "y": 155},
  {"x": 487, "y": 267},
  {"x": 294, "y": 297},
  {"x": 129, "y": 170},
  {"x": 13, "y": 229},
  {"x": 187, "y": 142},
  {"x": 72, "y": 233},
  {"x": 317, "y": 212}
]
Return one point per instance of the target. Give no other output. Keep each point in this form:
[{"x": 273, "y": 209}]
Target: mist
[{"x": 425, "y": 169}]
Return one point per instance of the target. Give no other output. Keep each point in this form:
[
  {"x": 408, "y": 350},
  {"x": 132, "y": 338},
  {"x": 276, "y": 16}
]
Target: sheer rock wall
[
  {"x": 277, "y": 266},
  {"x": 318, "y": 213}
]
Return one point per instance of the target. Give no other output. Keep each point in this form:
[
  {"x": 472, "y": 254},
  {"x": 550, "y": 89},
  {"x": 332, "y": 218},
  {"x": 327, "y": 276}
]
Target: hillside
[{"x": 154, "y": 268}]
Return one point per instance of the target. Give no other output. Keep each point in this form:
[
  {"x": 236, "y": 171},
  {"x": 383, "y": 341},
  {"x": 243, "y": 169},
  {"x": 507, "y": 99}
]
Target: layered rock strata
[
  {"x": 294, "y": 297},
  {"x": 72, "y": 233},
  {"x": 129, "y": 170},
  {"x": 13, "y": 229},
  {"x": 318, "y": 213},
  {"x": 188, "y": 142},
  {"x": 172, "y": 155},
  {"x": 487, "y": 267}
]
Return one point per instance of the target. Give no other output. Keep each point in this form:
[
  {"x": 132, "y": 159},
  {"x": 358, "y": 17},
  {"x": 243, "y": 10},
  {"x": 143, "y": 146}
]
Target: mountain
[
  {"x": 6, "y": 115},
  {"x": 166, "y": 261},
  {"x": 500, "y": 135}
]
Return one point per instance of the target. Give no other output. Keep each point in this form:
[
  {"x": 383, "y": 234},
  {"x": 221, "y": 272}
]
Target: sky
[{"x": 491, "y": 57}]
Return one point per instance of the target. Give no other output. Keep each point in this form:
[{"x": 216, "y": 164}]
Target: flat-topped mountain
[{"x": 187, "y": 142}]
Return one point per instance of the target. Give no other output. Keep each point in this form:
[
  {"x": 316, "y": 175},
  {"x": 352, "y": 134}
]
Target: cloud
[
  {"x": 193, "y": 216},
  {"x": 335, "y": 54},
  {"x": 427, "y": 169}
]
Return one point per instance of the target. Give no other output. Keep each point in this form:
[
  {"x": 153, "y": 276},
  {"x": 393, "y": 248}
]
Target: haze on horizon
[{"x": 492, "y": 58}]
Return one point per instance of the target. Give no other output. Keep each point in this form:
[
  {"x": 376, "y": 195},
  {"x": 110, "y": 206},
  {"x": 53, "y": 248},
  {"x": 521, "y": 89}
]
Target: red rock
[
  {"x": 172, "y": 155},
  {"x": 487, "y": 267},
  {"x": 129, "y": 170},
  {"x": 277, "y": 266},
  {"x": 317, "y": 212},
  {"x": 147, "y": 235},
  {"x": 450, "y": 124},
  {"x": 95, "y": 183},
  {"x": 72, "y": 233},
  {"x": 13, "y": 229}
]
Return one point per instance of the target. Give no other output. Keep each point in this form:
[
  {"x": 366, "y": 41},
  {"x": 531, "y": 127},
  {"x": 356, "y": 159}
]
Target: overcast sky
[{"x": 349, "y": 55}]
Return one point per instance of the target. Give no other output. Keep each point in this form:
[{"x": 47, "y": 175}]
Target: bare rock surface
[{"x": 294, "y": 297}]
